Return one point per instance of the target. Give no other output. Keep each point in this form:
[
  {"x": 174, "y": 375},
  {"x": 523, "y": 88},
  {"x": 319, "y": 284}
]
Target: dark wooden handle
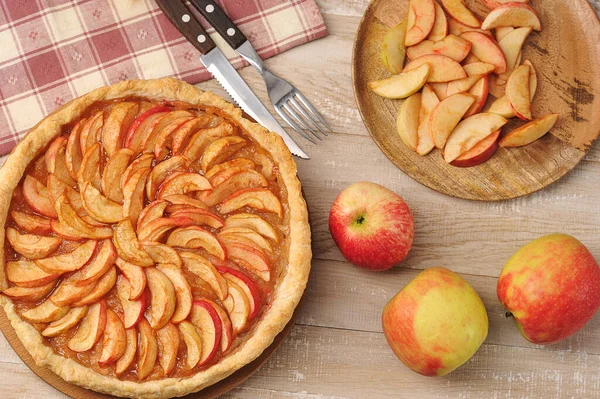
[
  {"x": 184, "y": 21},
  {"x": 220, "y": 21}
]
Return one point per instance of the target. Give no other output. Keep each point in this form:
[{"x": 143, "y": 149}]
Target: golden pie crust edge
[{"x": 285, "y": 298}]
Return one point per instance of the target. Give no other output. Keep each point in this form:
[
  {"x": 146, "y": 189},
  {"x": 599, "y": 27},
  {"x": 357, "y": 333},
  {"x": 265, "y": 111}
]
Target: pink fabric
[{"x": 52, "y": 51}]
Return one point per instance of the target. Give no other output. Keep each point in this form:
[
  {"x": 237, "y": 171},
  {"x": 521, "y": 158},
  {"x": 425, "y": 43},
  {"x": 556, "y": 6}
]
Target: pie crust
[{"x": 286, "y": 293}]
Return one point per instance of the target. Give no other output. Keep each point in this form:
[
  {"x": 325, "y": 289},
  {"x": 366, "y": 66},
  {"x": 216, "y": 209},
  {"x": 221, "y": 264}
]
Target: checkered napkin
[{"x": 52, "y": 51}]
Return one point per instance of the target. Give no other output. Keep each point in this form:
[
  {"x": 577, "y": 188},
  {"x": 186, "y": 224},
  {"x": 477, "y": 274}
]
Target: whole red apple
[
  {"x": 372, "y": 226},
  {"x": 552, "y": 288}
]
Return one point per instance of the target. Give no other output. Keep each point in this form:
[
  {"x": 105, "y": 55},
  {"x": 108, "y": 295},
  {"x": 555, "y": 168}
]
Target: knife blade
[{"x": 219, "y": 66}]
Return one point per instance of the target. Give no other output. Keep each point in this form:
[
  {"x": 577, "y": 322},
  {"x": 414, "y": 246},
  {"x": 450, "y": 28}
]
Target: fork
[{"x": 291, "y": 105}]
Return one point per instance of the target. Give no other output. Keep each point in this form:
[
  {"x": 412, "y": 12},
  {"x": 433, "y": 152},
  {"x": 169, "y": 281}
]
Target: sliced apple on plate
[
  {"x": 518, "y": 92},
  {"x": 443, "y": 69},
  {"x": 481, "y": 91},
  {"x": 37, "y": 197},
  {"x": 393, "y": 50},
  {"x": 529, "y": 132},
  {"x": 114, "y": 339},
  {"x": 45, "y": 312},
  {"x": 162, "y": 298},
  {"x": 261, "y": 199},
  {"x": 447, "y": 115},
  {"x": 135, "y": 276},
  {"x": 515, "y": 15},
  {"x": 456, "y": 28},
  {"x": 470, "y": 132},
  {"x": 450, "y": 46},
  {"x": 183, "y": 291},
  {"x": 502, "y": 31},
  {"x": 65, "y": 323},
  {"x": 168, "y": 347},
  {"x": 440, "y": 25},
  {"x": 147, "y": 349},
  {"x": 511, "y": 45},
  {"x": 201, "y": 267},
  {"x": 460, "y": 12},
  {"x": 502, "y": 106},
  {"x": 475, "y": 72},
  {"x": 403, "y": 84},
  {"x": 480, "y": 153},
  {"x": 206, "y": 319},
  {"x": 487, "y": 50},
  {"x": 133, "y": 309},
  {"x": 421, "y": 17},
  {"x": 32, "y": 246},
  {"x": 497, "y": 3}
]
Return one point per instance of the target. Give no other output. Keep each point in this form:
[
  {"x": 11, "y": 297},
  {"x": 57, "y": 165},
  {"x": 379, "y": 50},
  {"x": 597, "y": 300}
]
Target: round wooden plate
[
  {"x": 566, "y": 55},
  {"x": 78, "y": 392}
]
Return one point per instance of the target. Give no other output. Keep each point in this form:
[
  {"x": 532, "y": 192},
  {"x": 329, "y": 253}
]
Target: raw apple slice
[
  {"x": 200, "y": 217},
  {"x": 476, "y": 71},
  {"x": 239, "y": 181},
  {"x": 193, "y": 344},
  {"x": 201, "y": 267},
  {"x": 31, "y": 223},
  {"x": 183, "y": 183},
  {"x": 502, "y": 31},
  {"x": 421, "y": 17},
  {"x": 403, "y": 84},
  {"x": 152, "y": 211},
  {"x": 512, "y": 14},
  {"x": 254, "y": 222},
  {"x": 65, "y": 323},
  {"x": 27, "y": 274},
  {"x": 249, "y": 234},
  {"x": 69, "y": 217},
  {"x": 160, "y": 172},
  {"x": 37, "y": 197},
  {"x": 91, "y": 131},
  {"x": 471, "y": 59},
  {"x": 518, "y": 92},
  {"x": 393, "y": 50},
  {"x": 71, "y": 261},
  {"x": 90, "y": 329},
  {"x": 496, "y": 3},
  {"x": 248, "y": 257},
  {"x": 443, "y": 69},
  {"x": 138, "y": 132},
  {"x": 98, "y": 206},
  {"x": 480, "y": 90},
  {"x": 502, "y": 106},
  {"x": 30, "y": 294},
  {"x": 128, "y": 245},
  {"x": 198, "y": 142},
  {"x": 162, "y": 298},
  {"x": 459, "y": 11},
  {"x": 221, "y": 149},
  {"x": 116, "y": 125},
  {"x": 32, "y": 246},
  {"x": 236, "y": 164},
  {"x": 183, "y": 291},
  {"x": 111, "y": 177},
  {"x": 529, "y": 132},
  {"x": 136, "y": 277},
  {"x": 487, "y": 50},
  {"x": 162, "y": 123},
  {"x": 451, "y": 46},
  {"x": 161, "y": 253},
  {"x": 440, "y": 25},
  {"x": 133, "y": 310},
  {"x": 126, "y": 360},
  {"x": 497, "y": 86},
  {"x": 261, "y": 199},
  {"x": 141, "y": 162},
  {"x": 227, "y": 330},
  {"x": 46, "y": 312},
  {"x": 429, "y": 101},
  {"x": 102, "y": 287},
  {"x": 147, "y": 351},
  {"x": 511, "y": 45},
  {"x": 55, "y": 160},
  {"x": 196, "y": 237},
  {"x": 532, "y": 79},
  {"x": 157, "y": 228},
  {"x": 91, "y": 167},
  {"x": 456, "y": 28},
  {"x": 73, "y": 154},
  {"x": 133, "y": 195},
  {"x": 69, "y": 292},
  {"x": 206, "y": 319},
  {"x": 248, "y": 286},
  {"x": 470, "y": 132},
  {"x": 480, "y": 153},
  {"x": 114, "y": 339},
  {"x": 447, "y": 115},
  {"x": 238, "y": 307},
  {"x": 182, "y": 201},
  {"x": 100, "y": 263},
  {"x": 439, "y": 89},
  {"x": 168, "y": 346}
]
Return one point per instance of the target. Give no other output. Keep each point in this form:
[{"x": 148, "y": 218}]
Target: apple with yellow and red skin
[
  {"x": 551, "y": 286},
  {"x": 435, "y": 323},
  {"x": 372, "y": 226}
]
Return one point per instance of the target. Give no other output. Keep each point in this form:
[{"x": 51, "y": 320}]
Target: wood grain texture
[
  {"x": 336, "y": 350},
  {"x": 562, "y": 54}
]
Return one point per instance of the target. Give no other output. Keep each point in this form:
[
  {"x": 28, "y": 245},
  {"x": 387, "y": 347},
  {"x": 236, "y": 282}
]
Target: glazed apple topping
[{"x": 145, "y": 242}]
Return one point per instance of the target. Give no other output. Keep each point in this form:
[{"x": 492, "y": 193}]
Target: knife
[{"x": 219, "y": 66}]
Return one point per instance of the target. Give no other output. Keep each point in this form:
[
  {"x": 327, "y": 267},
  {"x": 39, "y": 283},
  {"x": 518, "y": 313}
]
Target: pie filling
[{"x": 146, "y": 240}]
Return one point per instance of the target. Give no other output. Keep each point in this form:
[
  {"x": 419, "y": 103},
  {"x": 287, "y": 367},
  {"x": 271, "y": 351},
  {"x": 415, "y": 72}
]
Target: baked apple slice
[
  {"x": 99, "y": 264},
  {"x": 128, "y": 245},
  {"x": 228, "y": 168},
  {"x": 193, "y": 343},
  {"x": 169, "y": 121},
  {"x": 183, "y": 183},
  {"x": 248, "y": 286},
  {"x": 65, "y": 232},
  {"x": 161, "y": 253},
  {"x": 114, "y": 339},
  {"x": 512, "y": 14},
  {"x": 73, "y": 154},
  {"x": 133, "y": 309},
  {"x": 168, "y": 346},
  {"x": 157, "y": 228},
  {"x": 201, "y": 267},
  {"x": 152, "y": 211},
  {"x": 238, "y": 307},
  {"x": 92, "y": 166},
  {"x": 181, "y": 137},
  {"x": 261, "y": 199},
  {"x": 32, "y": 246},
  {"x": 100, "y": 207},
  {"x": 27, "y": 274},
  {"x": 227, "y": 330},
  {"x": 142, "y": 162},
  {"x": 162, "y": 298},
  {"x": 69, "y": 217},
  {"x": 460, "y": 12},
  {"x": 133, "y": 195},
  {"x": 182, "y": 201},
  {"x": 37, "y": 197},
  {"x": 102, "y": 287},
  {"x": 115, "y": 168},
  {"x": 57, "y": 187},
  {"x": 161, "y": 171},
  {"x": 45, "y": 312},
  {"x": 196, "y": 237},
  {"x": 116, "y": 124},
  {"x": 31, "y": 223},
  {"x": 128, "y": 357},
  {"x": 183, "y": 291},
  {"x": 65, "y": 323},
  {"x": 470, "y": 132},
  {"x": 198, "y": 142},
  {"x": 91, "y": 131},
  {"x": 529, "y": 132},
  {"x": 206, "y": 319},
  {"x": 239, "y": 181},
  {"x": 55, "y": 160},
  {"x": 90, "y": 329},
  {"x": 142, "y": 126},
  {"x": 147, "y": 350},
  {"x": 201, "y": 217},
  {"x": 221, "y": 149},
  {"x": 248, "y": 257},
  {"x": 29, "y": 294},
  {"x": 69, "y": 262},
  {"x": 254, "y": 222},
  {"x": 136, "y": 277},
  {"x": 181, "y": 129},
  {"x": 248, "y": 234},
  {"x": 69, "y": 292}
]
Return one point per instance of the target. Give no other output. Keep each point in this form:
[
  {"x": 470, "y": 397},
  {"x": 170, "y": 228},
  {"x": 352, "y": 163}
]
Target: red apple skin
[
  {"x": 552, "y": 288},
  {"x": 372, "y": 226},
  {"x": 480, "y": 153}
]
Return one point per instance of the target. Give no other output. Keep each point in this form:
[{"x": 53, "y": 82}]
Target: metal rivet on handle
[
  {"x": 185, "y": 18},
  {"x": 210, "y": 8},
  {"x": 201, "y": 38},
  {"x": 230, "y": 31}
]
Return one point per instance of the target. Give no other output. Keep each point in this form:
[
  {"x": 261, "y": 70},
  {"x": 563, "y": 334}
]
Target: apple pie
[{"x": 155, "y": 240}]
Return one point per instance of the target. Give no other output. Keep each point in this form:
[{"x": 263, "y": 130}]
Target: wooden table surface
[{"x": 337, "y": 348}]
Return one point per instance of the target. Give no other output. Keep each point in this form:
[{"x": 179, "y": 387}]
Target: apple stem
[{"x": 508, "y": 314}]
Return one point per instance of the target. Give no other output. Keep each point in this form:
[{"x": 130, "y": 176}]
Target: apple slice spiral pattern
[{"x": 152, "y": 230}]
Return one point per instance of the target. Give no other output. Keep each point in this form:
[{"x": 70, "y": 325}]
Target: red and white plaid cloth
[{"x": 52, "y": 51}]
